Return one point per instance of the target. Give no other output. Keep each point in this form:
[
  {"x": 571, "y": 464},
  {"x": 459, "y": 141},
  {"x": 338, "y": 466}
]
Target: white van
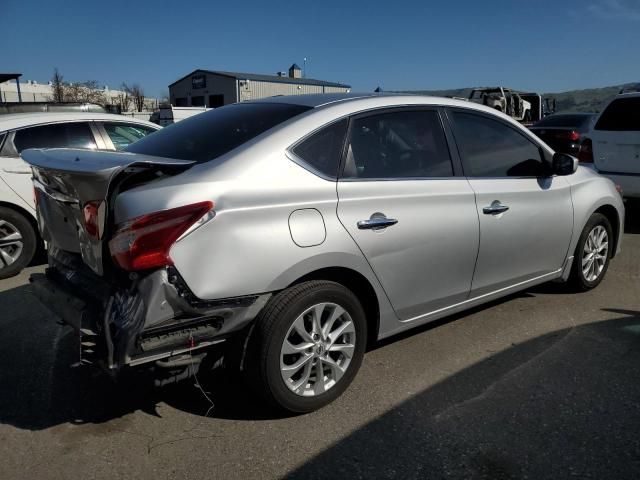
[
  {"x": 615, "y": 143},
  {"x": 169, "y": 114}
]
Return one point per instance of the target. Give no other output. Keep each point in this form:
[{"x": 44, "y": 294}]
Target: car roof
[
  {"x": 315, "y": 99},
  {"x": 11, "y": 121},
  {"x": 362, "y": 101}
]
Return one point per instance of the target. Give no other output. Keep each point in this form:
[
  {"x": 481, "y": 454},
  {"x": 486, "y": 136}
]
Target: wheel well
[
  {"x": 611, "y": 213},
  {"x": 360, "y": 286},
  {"x": 29, "y": 217}
]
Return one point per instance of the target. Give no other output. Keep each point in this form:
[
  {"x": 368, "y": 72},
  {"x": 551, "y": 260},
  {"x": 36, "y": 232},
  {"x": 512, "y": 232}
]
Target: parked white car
[
  {"x": 614, "y": 149},
  {"x": 19, "y": 237}
]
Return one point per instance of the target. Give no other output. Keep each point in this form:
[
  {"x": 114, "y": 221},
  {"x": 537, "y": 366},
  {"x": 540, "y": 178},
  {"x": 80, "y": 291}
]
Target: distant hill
[{"x": 587, "y": 100}]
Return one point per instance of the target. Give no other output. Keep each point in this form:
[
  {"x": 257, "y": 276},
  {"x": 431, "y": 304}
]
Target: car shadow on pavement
[
  {"x": 563, "y": 405},
  {"x": 39, "y": 388}
]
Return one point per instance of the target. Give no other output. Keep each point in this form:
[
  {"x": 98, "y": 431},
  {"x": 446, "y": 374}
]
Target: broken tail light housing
[
  {"x": 93, "y": 213},
  {"x": 144, "y": 242}
]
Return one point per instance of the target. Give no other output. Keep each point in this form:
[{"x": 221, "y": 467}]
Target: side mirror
[{"x": 563, "y": 164}]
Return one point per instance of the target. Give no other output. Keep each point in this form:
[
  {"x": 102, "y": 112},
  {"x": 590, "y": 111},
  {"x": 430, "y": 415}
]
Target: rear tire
[
  {"x": 299, "y": 365},
  {"x": 18, "y": 242},
  {"x": 592, "y": 254}
]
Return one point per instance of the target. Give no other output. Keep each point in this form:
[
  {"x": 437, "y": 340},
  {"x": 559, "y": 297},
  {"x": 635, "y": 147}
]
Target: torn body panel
[{"x": 152, "y": 318}]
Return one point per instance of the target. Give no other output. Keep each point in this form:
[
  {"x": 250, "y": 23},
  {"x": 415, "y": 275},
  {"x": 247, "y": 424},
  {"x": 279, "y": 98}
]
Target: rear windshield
[
  {"x": 571, "y": 121},
  {"x": 209, "y": 135},
  {"x": 622, "y": 114}
]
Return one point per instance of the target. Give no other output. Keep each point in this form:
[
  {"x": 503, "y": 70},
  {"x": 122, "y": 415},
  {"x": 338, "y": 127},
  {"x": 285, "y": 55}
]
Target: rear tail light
[
  {"x": 93, "y": 213},
  {"x": 144, "y": 242},
  {"x": 569, "y": 135},
  {"x": 585, "y": 155}
]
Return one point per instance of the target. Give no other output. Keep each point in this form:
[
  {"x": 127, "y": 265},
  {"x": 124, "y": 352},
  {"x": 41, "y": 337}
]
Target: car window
[
  {"x": 124, "y": 134},
  {"x": 57, "y": 135},
  {"x": 323, "y": 149},
  {"x": 404, "y": 144},
  {"x": 490, "y": 148},
  {"x": 211, "y": 134},
  {"x": 622, "y": 114}
]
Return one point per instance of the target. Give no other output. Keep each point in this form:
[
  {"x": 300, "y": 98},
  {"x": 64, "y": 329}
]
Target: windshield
[{"x": 211, "y": 134}]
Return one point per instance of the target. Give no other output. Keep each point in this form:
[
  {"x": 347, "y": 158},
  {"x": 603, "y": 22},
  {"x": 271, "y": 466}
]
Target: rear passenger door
[
  {"x": 16, "y": 173},
  {"x": 526, "y": 215},
  {"x": 412, "y": 218}
]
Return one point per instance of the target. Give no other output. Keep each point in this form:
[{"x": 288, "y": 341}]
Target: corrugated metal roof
[{"x": 266, "y": 78}]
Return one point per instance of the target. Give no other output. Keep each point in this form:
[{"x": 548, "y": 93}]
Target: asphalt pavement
[{"x": 542, "y": 384}]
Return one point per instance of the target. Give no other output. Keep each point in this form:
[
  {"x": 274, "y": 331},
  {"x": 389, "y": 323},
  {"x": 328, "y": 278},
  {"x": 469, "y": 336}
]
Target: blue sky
[{"x": 536, "y": 45}]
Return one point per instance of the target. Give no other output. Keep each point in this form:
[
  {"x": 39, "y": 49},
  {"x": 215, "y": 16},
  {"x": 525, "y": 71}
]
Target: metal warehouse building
[{"x": 207, "y": 88}]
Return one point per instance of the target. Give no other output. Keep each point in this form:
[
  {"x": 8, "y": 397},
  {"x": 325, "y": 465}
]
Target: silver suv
[{"x": 288, "y": 234}]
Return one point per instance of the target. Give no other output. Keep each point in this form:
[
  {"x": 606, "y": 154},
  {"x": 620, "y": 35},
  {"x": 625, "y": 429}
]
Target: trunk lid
[{"x": 68, "y": 183}]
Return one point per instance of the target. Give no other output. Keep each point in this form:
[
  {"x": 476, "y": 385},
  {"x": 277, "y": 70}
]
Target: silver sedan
[{"x": 281, "y": 237}]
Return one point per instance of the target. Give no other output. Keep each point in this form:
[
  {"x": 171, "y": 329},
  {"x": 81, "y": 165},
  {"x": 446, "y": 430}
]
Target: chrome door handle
[
  {"x": 495, "y": 208},
  {"x": 376, "y": 223}
]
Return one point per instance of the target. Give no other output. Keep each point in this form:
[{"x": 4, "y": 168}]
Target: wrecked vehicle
[
  {"x": 504, "y": 100},
  {"x": 282, "y": 236}
]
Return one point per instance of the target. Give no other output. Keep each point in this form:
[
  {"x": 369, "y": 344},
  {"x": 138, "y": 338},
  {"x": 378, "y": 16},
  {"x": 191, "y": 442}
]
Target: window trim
[
  {"x": 456, "y": 172},
  {"x": 480, "y": 113}
]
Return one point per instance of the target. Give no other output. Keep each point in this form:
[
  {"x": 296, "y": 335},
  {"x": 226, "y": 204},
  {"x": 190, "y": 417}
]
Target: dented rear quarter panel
[{"x": 247, "y": 248}]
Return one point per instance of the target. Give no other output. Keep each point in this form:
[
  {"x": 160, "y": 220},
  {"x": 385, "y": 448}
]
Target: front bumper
[{"x": 153, "y": 318}]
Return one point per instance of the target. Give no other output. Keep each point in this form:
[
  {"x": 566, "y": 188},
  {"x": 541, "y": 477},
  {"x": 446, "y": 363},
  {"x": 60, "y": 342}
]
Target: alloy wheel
[
  {"x": 594, "y": 254},
  {"x": 11, "y": 244},
  {"x": 317, "y": 349}
]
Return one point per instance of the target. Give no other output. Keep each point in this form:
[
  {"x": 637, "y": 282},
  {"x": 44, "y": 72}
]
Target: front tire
[
  {"x": 592, "y": 254},
  {"x": 18, "y": 242},
  {"x": 306, "y": 346}
]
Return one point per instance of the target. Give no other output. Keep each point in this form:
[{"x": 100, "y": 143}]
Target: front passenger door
[{"x": 526, "y": 215}]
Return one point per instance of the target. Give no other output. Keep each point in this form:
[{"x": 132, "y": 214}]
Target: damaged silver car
[{"x": 290, "y": 233}]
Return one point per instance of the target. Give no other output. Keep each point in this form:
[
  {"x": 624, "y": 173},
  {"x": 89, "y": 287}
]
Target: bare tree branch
[
  {"x": 136, "y": 92},
  {"x": 57, "y": 87},
  {"x": 123, "y": 98}
]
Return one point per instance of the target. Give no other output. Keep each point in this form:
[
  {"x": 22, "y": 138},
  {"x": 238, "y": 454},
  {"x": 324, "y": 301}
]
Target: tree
[
  {"x": 123, "y": 98},
  {"x": 136, "y": 92},
  {"x": 85, "y": 92},
  {"x": 57, "y": 87}
]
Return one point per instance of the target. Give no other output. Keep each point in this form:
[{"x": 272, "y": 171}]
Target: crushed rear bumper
[{"x": 154, "y": 318}]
